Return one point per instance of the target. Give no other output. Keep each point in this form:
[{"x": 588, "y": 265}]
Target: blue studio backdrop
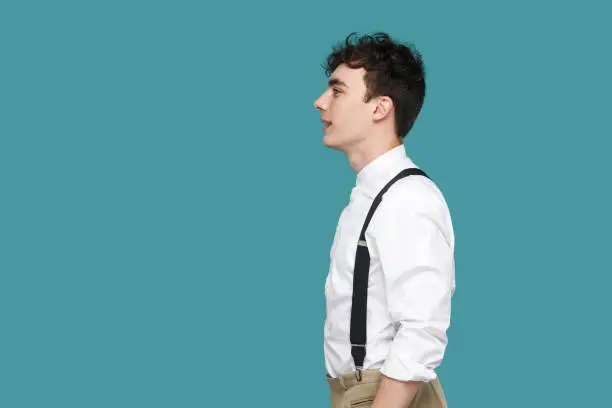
[{"x": 167, "y": 206}]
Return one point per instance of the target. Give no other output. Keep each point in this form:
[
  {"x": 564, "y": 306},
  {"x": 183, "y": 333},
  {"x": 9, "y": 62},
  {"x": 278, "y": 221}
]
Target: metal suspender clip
[{"x": 359, "y": 368}]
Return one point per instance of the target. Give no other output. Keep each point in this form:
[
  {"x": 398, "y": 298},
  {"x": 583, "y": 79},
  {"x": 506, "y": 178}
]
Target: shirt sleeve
[{"x": 415, "y": 243}]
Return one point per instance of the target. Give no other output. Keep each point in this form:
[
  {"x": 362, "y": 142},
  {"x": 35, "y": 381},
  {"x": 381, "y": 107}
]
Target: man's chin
[{"x": 329, "y": 142}]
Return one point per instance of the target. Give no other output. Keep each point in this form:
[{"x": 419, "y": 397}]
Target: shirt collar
[{"x": 376, "y": 174}]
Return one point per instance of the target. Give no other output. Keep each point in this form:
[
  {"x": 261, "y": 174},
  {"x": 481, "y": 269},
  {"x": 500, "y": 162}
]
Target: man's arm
[
  {"x": 395, "y": 394},
  {"x": 414, "y": 239}
]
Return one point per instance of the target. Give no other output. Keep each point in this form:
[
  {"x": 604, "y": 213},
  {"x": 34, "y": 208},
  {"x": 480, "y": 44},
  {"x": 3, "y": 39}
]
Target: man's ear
[{"x": 382, "y": 108}]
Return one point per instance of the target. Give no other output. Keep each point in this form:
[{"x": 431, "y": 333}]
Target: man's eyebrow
[{"x": 336, "y": 81}]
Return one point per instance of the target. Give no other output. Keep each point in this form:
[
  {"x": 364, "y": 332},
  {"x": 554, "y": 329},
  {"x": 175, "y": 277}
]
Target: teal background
[{"x": 167, "y": 206}]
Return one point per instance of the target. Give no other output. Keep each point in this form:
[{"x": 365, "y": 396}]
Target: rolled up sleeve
[{"x": 415, "y": 243}]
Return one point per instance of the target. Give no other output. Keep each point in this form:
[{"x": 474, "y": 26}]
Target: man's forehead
[{"x": 346, "y": 76}]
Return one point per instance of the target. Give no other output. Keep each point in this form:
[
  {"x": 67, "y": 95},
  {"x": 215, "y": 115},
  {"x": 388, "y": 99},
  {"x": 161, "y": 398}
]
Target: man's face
[{"x": 347, "y": 118}]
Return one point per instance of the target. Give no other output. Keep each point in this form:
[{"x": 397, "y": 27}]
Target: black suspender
[{"x": 360, "y": 280}]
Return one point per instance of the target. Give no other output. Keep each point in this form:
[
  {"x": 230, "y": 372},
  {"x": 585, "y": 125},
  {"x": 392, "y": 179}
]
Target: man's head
[{"x": 376, "y": 87}]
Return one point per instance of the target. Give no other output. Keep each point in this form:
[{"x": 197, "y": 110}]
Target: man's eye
[{"x": 336, "y": 91}]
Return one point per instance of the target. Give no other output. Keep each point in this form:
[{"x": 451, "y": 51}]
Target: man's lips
[{"x": 327, "y": 124}]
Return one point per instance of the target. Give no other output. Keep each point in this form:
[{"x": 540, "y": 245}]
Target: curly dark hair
[{"x": 393, "y": 69}]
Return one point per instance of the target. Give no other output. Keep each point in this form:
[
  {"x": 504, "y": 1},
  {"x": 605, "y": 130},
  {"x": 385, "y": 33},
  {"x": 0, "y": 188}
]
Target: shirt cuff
[{"x": 401, "y": 369}]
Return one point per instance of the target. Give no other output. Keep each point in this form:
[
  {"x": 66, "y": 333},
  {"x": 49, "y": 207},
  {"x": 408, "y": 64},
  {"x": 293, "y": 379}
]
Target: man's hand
[{"x": 395, "y": 394}]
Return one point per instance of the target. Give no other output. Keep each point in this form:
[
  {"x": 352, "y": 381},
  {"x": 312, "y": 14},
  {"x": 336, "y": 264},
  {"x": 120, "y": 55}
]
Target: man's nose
[{"x": 320, "y": 103}]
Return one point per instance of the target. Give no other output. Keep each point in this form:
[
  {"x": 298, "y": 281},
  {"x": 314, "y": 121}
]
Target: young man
[{"x": 391, "y": 279}]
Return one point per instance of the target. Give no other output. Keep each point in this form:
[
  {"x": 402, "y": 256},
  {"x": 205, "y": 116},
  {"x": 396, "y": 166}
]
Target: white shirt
[{"x": 412, "y": 278}]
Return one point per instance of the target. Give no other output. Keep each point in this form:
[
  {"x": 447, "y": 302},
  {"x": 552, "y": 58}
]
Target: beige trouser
[{"x": 346, "y": 392}]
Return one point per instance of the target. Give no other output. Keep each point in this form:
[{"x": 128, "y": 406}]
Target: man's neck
[{"x": 363, "y": 154}]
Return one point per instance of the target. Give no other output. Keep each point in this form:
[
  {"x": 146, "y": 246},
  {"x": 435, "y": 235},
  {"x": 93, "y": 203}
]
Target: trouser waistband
[{"x": 347, "y": 381}]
